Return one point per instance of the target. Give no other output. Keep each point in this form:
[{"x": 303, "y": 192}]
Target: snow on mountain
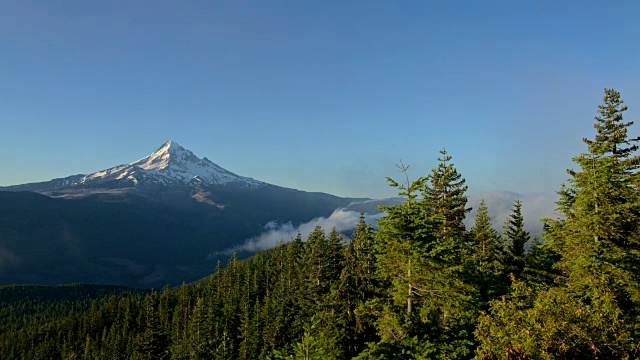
[{"x": 171, "y": 164}]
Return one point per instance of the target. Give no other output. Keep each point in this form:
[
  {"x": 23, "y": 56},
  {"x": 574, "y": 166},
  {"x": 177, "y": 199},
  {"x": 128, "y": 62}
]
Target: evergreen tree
[
  {"x": 152, "y": 343},
  {"x": 599, "y": 242},
  {"x": 516, "y": 238},
  {"x": 180, "y": 324},
  {"x": 199, "y": 331},
  {"x": 430, "y": 312},
  {"x": 357, "y": 285},
  {"x": 445, "y": 194},
  {"x": 539, "y": 265},
  {"x": 358, "y": 279},
  {"x": 314, "y": 345},
  {"x": 315, "y": 259},
  {"x": 595, "y": 311},
  {"x": 286, "y": 291},
  {"x": 312, "y": 270},
  {"x": 334, "y": 257},
  {"x": 487, "y": 256}
]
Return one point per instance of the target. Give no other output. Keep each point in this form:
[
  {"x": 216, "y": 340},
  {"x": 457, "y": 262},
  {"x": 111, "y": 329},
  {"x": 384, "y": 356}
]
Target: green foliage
[
  {"x": 421, "y": 287},
  {"x": 358, "y": 283},
  {"x": 152, "y": 342},
  {"x": 487, "y": 256},
  {"x": 592, "y": 309},
  {"x": 516, "y": 238},
  {"x": 421, "y": 243},
  {"x": 29, "y": 305},
  {"x": 555, "y": 324},
  {"x": 314, "y": 345},
  {"x": 445, "y": 196},
  {"x": 539, "y": 265}
]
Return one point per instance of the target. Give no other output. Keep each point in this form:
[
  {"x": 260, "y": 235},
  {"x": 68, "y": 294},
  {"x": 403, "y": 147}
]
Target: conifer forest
[{"x": 417, "y": 285}]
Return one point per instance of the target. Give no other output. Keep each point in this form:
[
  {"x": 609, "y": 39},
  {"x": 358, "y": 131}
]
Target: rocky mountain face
[{"x": 165, "y": 218}]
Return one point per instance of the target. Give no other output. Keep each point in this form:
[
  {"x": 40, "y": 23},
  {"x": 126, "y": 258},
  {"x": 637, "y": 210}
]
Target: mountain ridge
[
  {"x": 143, "y": 224},
  {"x": 170, "y": 165}
]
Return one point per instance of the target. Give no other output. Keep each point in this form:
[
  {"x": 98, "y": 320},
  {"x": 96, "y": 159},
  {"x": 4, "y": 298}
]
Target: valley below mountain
[{"x": 149, "y": 223}]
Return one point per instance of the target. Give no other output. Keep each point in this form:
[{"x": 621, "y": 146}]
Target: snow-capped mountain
[
  {"x": 144, "y": 224},
  {"x": 170, "y": 165}
]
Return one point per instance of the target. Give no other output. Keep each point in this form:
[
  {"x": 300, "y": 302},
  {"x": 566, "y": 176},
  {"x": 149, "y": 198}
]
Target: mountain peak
[
  {"x": 170, "y": 152},
  {"x": 170, "y": 164},
  {"x": 169, "y": 146}
]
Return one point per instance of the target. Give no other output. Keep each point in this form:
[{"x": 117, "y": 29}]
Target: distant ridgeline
[{"x": 421, "y": 286}]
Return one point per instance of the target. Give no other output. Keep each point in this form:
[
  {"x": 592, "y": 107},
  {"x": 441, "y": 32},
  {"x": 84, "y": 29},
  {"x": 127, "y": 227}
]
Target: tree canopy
[{"x": 417, "y": 285}]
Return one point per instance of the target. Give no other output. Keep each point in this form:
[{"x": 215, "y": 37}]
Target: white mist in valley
[{"x": 535, "y": 206}]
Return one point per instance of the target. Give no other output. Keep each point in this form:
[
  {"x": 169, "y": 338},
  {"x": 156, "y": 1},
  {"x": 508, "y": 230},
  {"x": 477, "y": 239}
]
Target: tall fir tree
[
  {"x": 153, "y": 342},
  {"x": 431, "y": 308},
  {"x": 334, "y": 257},
  {"x": 357, "y": 285},
  {"x": 539, "y": 265},
  {"x": 330, "y": 315},
  {"x": 488, "y": 256},
  {"x": 599, "y": 241},
  {"x": 594, "y": 312},
  {"x": 516, "y": 238},
  {"x": 445, "y": 192},
  {"x": 315, "y": 259},
  {"x": 317, "y": 272}
]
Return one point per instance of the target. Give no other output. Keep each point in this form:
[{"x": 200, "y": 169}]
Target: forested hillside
[{"x": 420, "y": 287}]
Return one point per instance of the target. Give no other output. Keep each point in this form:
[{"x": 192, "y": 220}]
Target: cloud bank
[
  {"x": 535, "y": 206},
  {"x": 342, "y": 219}
]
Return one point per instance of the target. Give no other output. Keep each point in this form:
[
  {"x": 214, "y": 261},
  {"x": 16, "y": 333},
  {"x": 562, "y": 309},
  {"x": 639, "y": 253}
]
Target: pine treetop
[{"x": 444, "y": 191}]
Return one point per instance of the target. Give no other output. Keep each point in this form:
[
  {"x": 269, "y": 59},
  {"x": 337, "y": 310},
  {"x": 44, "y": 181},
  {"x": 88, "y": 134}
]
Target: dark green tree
[
  {"x": 314, "y": 345},
  {"x": 516, "y": 238},
  {"x": 315, "y": 259},
  {"x": 358, "y": 284},
  {"x": 334, "y": 257},
  {"x": 153, "y": 342},
  {"x": 487, "y": 256},
  {"x": 594, "y": 311},
  {"x": 445, "y": 193},
  {"x": 539, "y": 265},
  {"x": 430, "y": 311}
]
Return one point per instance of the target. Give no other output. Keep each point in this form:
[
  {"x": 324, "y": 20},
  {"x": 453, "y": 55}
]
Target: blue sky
[{"x": 316, "y": 95}]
